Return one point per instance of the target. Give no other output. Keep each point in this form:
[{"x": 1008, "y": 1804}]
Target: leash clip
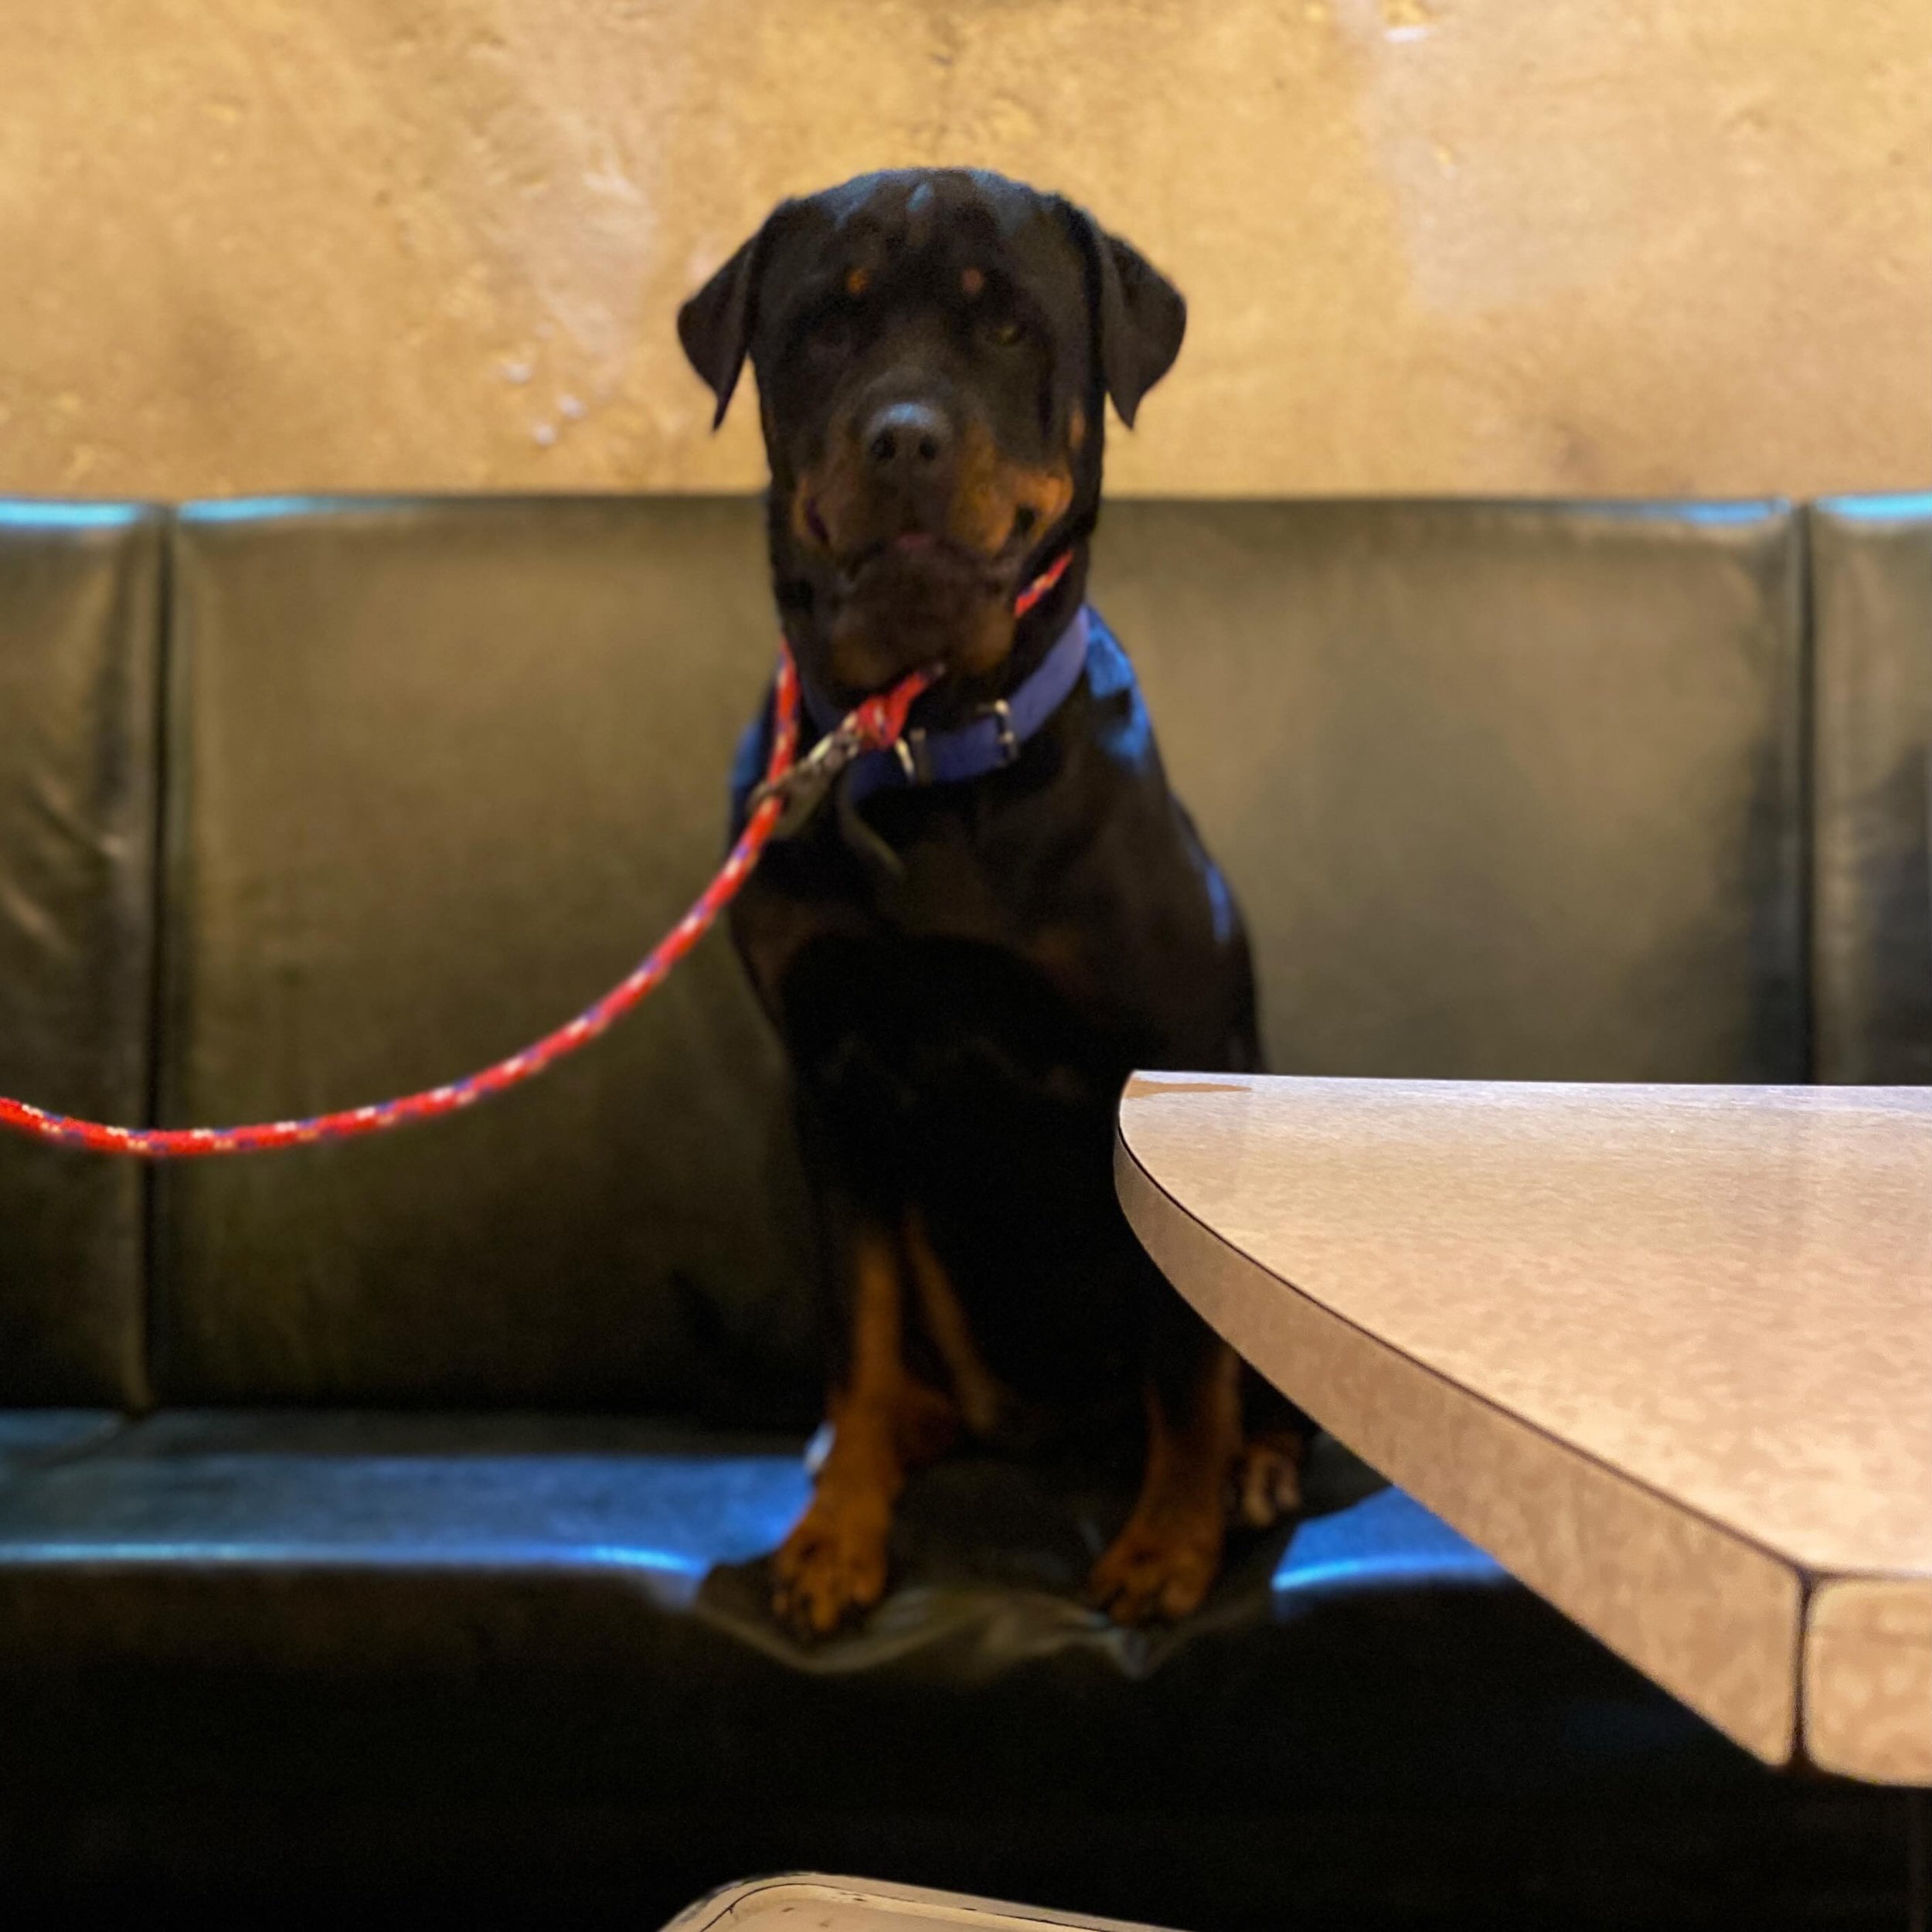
[
  {"x": 803, "y": 788},
  {"x": 878, "y": 724}
]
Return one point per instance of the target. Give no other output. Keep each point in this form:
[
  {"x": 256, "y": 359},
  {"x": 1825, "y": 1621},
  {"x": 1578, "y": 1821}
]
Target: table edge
[
  {"x": 881, "y": 1897},
  {"x": 1867, "y": 1682},
  {"x": 1759, "y": 1711}
]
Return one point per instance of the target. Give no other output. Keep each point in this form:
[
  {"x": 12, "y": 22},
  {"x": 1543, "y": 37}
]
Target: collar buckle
[
  {"x": 1002, "y": 714},
  {"x": 909, "y": 750}
]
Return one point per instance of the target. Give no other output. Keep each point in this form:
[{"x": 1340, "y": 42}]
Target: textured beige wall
[{"x": 1613, "y": 246}]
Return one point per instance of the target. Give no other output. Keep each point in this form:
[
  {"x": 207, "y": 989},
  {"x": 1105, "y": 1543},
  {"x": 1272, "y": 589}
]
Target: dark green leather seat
[
  {"x": 434, "y": 1556},
  {"x": 80, "y": 636},
  {"x": 1507, "y": 791},
  {"x": 1872, "y": 605}
]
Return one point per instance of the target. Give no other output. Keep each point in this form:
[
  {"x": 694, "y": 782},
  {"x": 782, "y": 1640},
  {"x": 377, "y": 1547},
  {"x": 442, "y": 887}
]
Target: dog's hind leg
[
  {"x": 1268, "y": 1477},
  {"x": 984, "y": 1405},
  {"x": 885, "y": 1422}
]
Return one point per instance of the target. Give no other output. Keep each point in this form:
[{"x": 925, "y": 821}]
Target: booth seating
[{"x": 381, "y": 1521}]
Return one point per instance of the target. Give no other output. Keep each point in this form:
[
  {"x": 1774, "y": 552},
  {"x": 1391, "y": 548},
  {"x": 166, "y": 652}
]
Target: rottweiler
[{"x": 969, "y": 945}]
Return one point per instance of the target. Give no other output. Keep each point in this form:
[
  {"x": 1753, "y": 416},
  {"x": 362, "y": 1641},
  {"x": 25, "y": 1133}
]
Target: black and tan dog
[{"x": 969, "y": 945}]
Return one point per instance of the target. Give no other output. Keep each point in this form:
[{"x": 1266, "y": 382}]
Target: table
[
  {"x": 814, "y": 1901},
  {"x": 1665, "y": 1352}
]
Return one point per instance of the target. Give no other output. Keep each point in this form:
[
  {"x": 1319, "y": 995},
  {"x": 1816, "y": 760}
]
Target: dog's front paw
[
  {"x": 1160, "y": 1566},
  {"x": 831, "y": 1569}
]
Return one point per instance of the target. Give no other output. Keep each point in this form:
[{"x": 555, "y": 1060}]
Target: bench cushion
[
  {"x": 80, "y": 600},
  {"x": 495, "y": 1572},
  {"x": 1508, "y": 791},
  {"x": 1871, "y": 948},
  {"x": 440, "y": 772}
]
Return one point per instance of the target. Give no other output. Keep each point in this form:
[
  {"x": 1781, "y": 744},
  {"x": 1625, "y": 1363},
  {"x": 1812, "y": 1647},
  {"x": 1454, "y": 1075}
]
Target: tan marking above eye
[
  {"x": 973, "y": 281},
  {"x": 858, "y": 280},
  {"x": 1076, "y": 427}
]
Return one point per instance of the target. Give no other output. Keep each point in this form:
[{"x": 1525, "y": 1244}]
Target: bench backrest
[{"x": 1507, "y": 790}]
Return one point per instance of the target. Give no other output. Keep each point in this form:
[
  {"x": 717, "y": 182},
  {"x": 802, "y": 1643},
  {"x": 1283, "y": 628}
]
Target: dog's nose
[{"x": 908, "y": 441}]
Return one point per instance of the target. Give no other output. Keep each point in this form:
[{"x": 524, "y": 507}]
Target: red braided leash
[{"x": 876, "y": 724}]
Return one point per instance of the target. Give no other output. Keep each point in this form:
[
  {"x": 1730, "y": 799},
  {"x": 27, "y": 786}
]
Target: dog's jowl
[{"x": 972, "y": 944}]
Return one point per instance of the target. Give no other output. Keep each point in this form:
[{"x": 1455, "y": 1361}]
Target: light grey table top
[{"x": 1665, "y": 1352}]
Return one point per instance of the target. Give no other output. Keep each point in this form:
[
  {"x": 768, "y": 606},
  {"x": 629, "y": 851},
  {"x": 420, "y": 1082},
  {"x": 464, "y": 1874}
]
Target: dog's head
[{"x": 933, "y": 349}]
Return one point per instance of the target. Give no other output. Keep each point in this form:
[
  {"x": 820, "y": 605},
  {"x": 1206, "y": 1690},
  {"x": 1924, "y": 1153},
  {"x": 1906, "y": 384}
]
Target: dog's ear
[
  {"x": 1139, "y": 316},
  {"x": 715, "y": 326}
]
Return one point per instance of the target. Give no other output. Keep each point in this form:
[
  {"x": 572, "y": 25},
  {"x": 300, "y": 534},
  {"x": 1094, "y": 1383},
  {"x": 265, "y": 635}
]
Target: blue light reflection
[
  {"x": 26, "y": 513},
  {"x": 1386, "y": 1538}
]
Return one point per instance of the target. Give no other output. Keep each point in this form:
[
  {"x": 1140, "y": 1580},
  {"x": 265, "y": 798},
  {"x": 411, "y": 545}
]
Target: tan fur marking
[
  {"x": 800, "y": 525},
  {"x": 1164, "y": 1561},
  {"x": 837, "y": 486},
  {"x": 858, "y": 280},
  {"x": 987, "y": 493},
  {"x": 972, "y": 281},
  {"x": 885, "y": 1423},
  {"x": 991, "y": 490}
]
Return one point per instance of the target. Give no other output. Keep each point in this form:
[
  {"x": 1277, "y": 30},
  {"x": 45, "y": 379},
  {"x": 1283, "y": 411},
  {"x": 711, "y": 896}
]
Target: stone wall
[{"x": 1535, "y": 246}]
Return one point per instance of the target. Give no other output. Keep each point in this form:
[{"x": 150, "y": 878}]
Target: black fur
[{"x": 965, "y": 980}]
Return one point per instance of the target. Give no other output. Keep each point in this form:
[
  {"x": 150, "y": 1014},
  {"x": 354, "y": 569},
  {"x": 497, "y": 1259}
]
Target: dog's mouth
[
  {"x": 894, "y": 583},
  {"x": 915, "y": 554},
  {"x": 919, "y": 559}
]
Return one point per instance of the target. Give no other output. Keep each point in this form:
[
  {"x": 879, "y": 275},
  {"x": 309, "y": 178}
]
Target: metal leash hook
[{"x": 878, "y": 724}]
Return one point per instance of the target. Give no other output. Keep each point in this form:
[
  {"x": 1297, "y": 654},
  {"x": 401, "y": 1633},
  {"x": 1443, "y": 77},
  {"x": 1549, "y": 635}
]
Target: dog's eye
[
  {"x": 1002, "y": 332},
  {"x": 833, "y": 333}
]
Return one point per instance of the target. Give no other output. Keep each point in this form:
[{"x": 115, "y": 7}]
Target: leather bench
[{"x": 385, "y": 1515}]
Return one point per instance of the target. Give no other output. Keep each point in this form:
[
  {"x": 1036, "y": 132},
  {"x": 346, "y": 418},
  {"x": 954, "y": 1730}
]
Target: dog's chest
[
  {"x": 1058, "y": 916},
  {"x": 1014, "y": 939}
]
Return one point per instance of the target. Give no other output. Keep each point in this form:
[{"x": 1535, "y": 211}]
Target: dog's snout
[{"x": 908, "y": 440}]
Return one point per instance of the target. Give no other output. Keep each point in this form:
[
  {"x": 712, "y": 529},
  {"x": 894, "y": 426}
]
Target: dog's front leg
[
  {"x": 885, "y": 1422},
  {"x": 1161, "y": 1564}
]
